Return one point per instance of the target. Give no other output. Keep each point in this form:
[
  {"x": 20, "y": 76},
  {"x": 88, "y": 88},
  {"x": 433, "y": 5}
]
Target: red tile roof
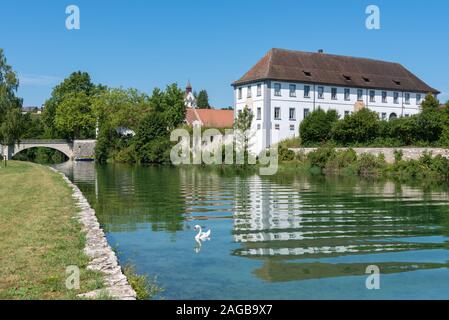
[
  {"x": 211, "y": 118},
  {"x": 307, "y": 67}
]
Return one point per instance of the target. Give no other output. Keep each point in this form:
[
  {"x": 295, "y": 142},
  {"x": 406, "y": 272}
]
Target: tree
[
  {"x": 359, "y": 127},
  {"x": 317, "y": 126},
  {"x": 9, "y": 83},
  {"x": 430, "y": 102},
  {"x": 12, "y": 127},
  {"x": 244, "y": 119},
  {"x": 202, "y": 101},
  {"x": 74, "y": 116},
  {"x": 174, "y": 106},
  {"x": 11, "y": 122},
  {"x": 77, "y": 82}
]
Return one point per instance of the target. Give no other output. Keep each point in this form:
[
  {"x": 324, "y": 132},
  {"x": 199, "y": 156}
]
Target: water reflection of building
[{"x": 302, "y": 219}]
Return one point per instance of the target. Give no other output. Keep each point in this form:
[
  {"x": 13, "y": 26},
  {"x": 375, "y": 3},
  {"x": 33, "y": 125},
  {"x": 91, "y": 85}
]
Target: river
[{"x": 284, "y": 237}]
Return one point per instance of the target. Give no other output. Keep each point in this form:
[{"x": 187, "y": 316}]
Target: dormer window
[
  {"x": 347, "y": 78},
  {"x": 366, "y": 79},
  {"x": 397, "y": 82},
  {"x": 307, "y": 73}
]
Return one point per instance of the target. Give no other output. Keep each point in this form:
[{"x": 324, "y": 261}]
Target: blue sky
[{"x": 146, "y": 44}]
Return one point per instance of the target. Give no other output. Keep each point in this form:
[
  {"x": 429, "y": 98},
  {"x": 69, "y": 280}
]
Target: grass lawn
[{"x": 39, "y": 236}]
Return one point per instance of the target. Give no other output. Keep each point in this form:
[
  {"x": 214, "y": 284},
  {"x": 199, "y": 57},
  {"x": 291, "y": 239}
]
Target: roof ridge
[{"x": 335, "y": 55}]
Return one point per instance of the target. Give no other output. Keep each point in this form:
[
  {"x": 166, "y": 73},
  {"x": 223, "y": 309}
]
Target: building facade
[{"x": 285, "y": 86}]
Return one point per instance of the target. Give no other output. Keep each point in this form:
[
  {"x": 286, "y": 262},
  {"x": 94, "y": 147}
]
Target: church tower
[{"x": 189, "y": 98}]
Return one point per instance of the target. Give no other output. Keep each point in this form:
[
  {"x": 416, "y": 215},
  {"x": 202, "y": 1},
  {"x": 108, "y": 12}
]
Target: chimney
[{"x": 320, "y": 51}]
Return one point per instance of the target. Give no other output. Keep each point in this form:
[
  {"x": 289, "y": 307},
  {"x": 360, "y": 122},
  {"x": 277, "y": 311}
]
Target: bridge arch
[{"x": 62, "y": 146}]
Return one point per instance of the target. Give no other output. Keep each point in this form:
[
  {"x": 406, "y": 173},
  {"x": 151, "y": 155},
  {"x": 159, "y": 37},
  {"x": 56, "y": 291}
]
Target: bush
[
  {"x": 360, "y": 127},
  {"x": 369, "y": 164},
  {"x": 285, "y": 154},
  {"x": 344, "y": 159},
  {"x": 316, "y": 127},
  {"x": 321, "y": 156},
  {"x": 156, "y": 151}
]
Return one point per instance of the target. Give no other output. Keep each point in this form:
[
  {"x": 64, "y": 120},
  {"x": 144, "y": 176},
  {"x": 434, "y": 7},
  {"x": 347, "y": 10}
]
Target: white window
[
  {"x": 384, "y": 116},
  {"x": 259, "y": 90},
  {"x": 320, "y": 92},
  {"x": 418, "y": 98},
  {"x": 293, "y": 90},
  {"x": 277, "y": 113},
  {"x": 396, "y": 97},
  {"x": 292, "y": 127},
  {"x": 407, "y": 98},
  {"x": 347, "y": 113},
  {"x": 258, "y": 126},
  {"x": 277, "y": 89},
  {"x": 306, "y": 91},
  {"x": 334, "y": 93},
  {"x": 306, "y": 112},
  {"x": 248, "y": 94},
  {"x": 240, "y": 93},
  {"x": 277, "y": 126},
  {"x": 347, "y": 94},
  {"x": 259, "y": 113},
  {"x": 384, "y": 96},
  {"x": 360, "y": 95},
  {"x": 292, "y": 114},
  {"x": 372, "y": 96}
]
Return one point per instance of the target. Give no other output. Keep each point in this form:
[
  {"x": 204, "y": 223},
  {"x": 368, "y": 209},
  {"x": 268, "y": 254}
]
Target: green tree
[
  {"x": 359, "y": 127},
  {"x": 203, "y": 100},
  {"x": 430, "y": 103},
  {"x": 10, "y": 104},
  {"x": 74, "y": 116},
  {"x": 317, "y": 126},
  {"x": 174, "y": 106},
  {"x": 12, "y": 128},
  {"x": 77, "y": 83},
  {"x": 244, "y": 119}
]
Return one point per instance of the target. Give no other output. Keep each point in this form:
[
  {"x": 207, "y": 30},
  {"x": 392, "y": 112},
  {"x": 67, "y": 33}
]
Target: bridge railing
[{"x": 45, "y": 141}]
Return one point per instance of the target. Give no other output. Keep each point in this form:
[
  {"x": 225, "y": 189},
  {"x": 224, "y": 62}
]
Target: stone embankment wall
[
  {"x": 408, "y": 153},
  {"x": 84, "y": 149},
  {"x": 102, "y": 256}
]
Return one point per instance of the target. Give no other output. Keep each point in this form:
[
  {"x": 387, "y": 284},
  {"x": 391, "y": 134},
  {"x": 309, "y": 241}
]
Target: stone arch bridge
[{"x": 73, "y": 149}]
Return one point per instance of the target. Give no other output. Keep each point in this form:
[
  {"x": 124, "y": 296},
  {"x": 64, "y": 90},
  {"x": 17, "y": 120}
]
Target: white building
[{"x": 284, "y": 86}]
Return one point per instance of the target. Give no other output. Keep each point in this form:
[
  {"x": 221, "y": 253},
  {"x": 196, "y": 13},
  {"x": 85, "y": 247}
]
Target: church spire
[{"x": 188, "y": 87}]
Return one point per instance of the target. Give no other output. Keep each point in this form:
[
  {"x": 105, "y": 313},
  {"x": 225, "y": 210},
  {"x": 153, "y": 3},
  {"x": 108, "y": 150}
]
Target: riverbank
[
  {"x": 43, "y": 231},
  {"x": 421, "y": 165}
]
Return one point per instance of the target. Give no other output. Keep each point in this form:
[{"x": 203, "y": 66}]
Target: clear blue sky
[{"x": 146, "y": 44}]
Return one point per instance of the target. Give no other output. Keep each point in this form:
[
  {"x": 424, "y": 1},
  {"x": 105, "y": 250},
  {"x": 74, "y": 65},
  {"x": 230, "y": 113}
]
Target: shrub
[
  {"x": 344, "y": 159},
  {"x": 320, "y": 157},
  {"x": 398, "y": 154},
  {"x": 156, "y": 151},
  {"x": 285, "y": 154},
  {"x": 316, "y": 127},
  {"x": 369, "y": 164},
  {"x": 360, "y": 127}
]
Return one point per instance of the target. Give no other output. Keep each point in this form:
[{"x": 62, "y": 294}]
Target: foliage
[
  {"x": 320, "y": 156},
  {"x": 316, "y": 127},
  {"x": 144, "y": 288},
  {"x": 75, "y": 117},
  {"x": 12, "y": 128},
  {"x": 359, "y": 127},
  {"x": 285, "y": 154},
  {"x": 244, "y": 119},
  {"x": 79, "y": 85},
  {"x": 370, "y": 164},
  {"x": 202, "y": 100},
  {"x": 11, "y": 124}
]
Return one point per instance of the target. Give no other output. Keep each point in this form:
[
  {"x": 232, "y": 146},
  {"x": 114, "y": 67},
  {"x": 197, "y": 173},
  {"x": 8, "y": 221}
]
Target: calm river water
[{"x": 272, "y": 238}]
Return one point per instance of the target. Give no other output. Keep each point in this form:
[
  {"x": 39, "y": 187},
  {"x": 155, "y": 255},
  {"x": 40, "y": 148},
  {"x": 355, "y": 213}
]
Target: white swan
[{"x": 201, "y": 235}]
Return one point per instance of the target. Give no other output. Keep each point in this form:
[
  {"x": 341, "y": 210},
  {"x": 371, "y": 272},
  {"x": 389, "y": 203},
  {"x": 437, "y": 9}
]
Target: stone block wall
[
  {"x": 84, "y": 149},
  {"x": 408, "y": 153}
]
